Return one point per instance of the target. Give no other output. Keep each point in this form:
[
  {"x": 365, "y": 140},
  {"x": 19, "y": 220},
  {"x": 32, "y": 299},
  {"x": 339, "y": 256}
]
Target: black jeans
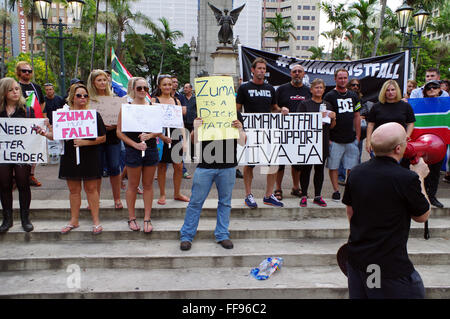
[
  {"x": 21, "y": 173},
  {"x": 432, "y": 180},
  {"x": 305, "y": 173}
]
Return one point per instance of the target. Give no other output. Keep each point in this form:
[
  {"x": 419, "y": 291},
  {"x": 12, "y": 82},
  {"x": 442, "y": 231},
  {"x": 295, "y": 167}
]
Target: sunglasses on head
[
  {"x": 78, "y": 95},
  {"x": 26, "y": 71},
  {"x": 140, "y": 88}
]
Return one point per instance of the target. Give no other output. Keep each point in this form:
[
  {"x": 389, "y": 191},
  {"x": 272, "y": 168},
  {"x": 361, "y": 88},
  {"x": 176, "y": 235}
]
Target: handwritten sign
[
  {"x": 76, "y": 124},
  {"x": 19, "y": 143},
  {"x": 109, "y": 108},
  {"x": 276, "y": 139},
  {"x": 142, "y": 118},
  {"x": 172, "y": 115},
  {"x": 216, "y": 105}
]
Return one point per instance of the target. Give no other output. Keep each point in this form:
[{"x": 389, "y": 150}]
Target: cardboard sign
[
  {"x": 216, "y": 105},
  {"x": 276, "y": 139},
  {"x": 75, "y": 124},
  {"x": 108, "y": 107},
  {"x": 142, "y": 118},
  {"x": 19, "y": 143}
]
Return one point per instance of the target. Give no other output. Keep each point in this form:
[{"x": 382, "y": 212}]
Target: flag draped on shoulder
[
  {"x": 33, "y": 103},
  {"x": 432, "y": 116},
  {"x": 120, "y": 75}
]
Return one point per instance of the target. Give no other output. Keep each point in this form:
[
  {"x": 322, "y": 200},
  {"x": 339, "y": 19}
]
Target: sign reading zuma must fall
[
  {"x": 19, "y": 143},
  {"x": 76, "y": 124},
  {"x": 276, "y": 139},
  {"x": 372, "y": 72}
]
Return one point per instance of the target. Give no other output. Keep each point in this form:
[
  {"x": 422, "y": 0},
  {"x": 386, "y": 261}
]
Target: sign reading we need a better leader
[{"x": 19, "y": 143}]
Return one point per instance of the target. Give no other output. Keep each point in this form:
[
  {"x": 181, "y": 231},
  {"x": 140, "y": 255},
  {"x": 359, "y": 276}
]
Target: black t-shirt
[
  {"x": 400, "y": 112},
  {"x": 344, "y": 105},
  {"x": 311, "y": 106},
  {"x": 211, "y": 149},
  {"x": 290, "y": 96},
  {"x": 256, "y": 98},
  {"x": 52, "y": 105},
  {"x": 383, "y": 196},
  {"x": 27, "y": 89}
]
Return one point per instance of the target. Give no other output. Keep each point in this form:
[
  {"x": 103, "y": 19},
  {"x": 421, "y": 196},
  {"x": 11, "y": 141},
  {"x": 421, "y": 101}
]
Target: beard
[{"x": 297, "y": 81}]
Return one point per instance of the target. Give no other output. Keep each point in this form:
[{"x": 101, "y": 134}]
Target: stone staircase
[{"x": 120, "y": 263}]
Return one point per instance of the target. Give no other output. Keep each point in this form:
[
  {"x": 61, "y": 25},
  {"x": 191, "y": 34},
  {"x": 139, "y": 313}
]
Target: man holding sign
[{"x": 258, "y": 97}]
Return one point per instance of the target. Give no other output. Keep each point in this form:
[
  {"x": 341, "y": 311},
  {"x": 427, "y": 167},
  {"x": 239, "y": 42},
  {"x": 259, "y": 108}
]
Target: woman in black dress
[
  {"x": 163, "y": 96},
  {"x": 88, "y": 170},
  {"x": 12, "y": 104}
]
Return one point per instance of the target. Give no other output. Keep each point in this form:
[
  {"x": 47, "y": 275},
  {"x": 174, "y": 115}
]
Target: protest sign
[
  {"x": 276, "y": 139},
  {"x": 172, "y": 115},
  {"x": 75, "y": 124},
  {"x": 19, "y": 143},
  {"x": 108, "y": 107},
  {"x": 142, "y": 118},
  {"x": 216, "y": 105}
]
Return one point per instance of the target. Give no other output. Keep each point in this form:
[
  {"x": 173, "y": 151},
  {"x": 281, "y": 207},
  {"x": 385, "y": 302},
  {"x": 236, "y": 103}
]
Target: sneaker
[
  {"x": 187, "y": 176},
  {"x": 272, "y": 201},
  {"x": 34, "y": 181},
  {"x": 446, "y": 179},
  {"x": 250, "y": 201},
  {"x": 318, "y": 200},
  {"x": 435, "y": 202},
  {"x": 336, "y": 196},
  {"x": 303, "y": 202}
]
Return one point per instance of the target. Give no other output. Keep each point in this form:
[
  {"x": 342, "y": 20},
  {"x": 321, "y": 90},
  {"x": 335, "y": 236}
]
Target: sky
[{"x": 325, "y": 26}]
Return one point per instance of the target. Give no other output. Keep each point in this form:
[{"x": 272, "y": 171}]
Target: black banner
[{"x": 372, "y": 72}]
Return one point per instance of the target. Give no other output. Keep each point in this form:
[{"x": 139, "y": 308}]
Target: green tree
[
  {"x": 5, "y": 21},
  {"x": 318, "y": 53},
  {"x": 363, "y": 10},
  {"x": 441, "y": 23},
  {"x": 380, "y": 27},
  {"x": 167, "y": 36},
  {"x": 339, "y": 15},
  {"x": 280, "y": 27}
]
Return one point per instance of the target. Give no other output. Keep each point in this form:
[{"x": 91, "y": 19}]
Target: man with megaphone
[{"x": 382, "y": 197}]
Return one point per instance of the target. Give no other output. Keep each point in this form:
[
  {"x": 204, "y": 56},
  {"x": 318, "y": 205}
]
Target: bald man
[{"x": 382, "y": 197}]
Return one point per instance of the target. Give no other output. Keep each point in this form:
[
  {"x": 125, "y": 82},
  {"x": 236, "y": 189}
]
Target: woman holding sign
[
  {"x": 98, "y": 86},
  {"x": 163, "y": 95},
  {"x": 88, "y": 170},
  {"x": 141, "y": 158},
  {"x": 12, "y": 105}
]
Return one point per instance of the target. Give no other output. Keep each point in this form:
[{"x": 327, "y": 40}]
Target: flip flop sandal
[
  {"x": 68, "y": 228},
  {"x": 182, "y": 199},
  {"x": 151, "y": 226},
  {"x": 97, "y": 230},
  {"x": 161, "y": 202},
  {"x": 278, "y": 194},
  {"x": 296, "y": 192},
  {"x": 118, "y": 206},
  {"x": 136, "y": 226}
]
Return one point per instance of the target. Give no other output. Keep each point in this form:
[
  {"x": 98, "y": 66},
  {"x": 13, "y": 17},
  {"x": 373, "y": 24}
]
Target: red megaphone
[{"x": 429, "y": 146}]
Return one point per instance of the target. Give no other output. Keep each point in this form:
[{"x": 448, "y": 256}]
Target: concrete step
[
  {"x": 190, "y": 283},
  {"x": 240, "y": 228},
  {"x": 60, "y": 209},
  {"x": 165, "y": 254}
]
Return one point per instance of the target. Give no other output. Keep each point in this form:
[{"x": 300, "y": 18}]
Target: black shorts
[{"x": 133, "y": 157}]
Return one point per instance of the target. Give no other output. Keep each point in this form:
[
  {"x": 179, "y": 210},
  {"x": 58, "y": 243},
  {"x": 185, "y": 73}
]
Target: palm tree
[
  {"x": 95, "y": 33},
  {"x": 380, "y": 27},
  {"x": 441, "y": 23},
  {"x": 363, "y": 10},
  {"x": 318, "y": 53},
  {"x": 281, "y": 28},
  {"x": 5, "y": 20},
  {"x": 339, "y": 15},
  {"x": 167, "y": 35}
]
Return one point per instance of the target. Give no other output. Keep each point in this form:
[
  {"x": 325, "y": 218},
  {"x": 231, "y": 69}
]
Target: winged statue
[{"x": 226, "y": 21}]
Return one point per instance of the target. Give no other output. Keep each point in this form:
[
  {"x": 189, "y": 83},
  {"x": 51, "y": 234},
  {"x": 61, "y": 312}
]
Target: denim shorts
[
  {"x": 111, "y": 154},
  {"x": 348, "y": 153},
  {"x": 133, "y": 157}
]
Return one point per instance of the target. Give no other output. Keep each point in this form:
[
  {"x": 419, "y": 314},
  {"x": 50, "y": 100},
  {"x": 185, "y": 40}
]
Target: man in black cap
[{"x": 381, "y": 198}]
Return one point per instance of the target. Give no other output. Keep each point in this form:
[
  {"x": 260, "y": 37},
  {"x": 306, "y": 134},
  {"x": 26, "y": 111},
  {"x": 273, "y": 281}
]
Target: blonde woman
[
  {"x": 139, "y": 167},
  {"x": 88, "y": 171},
  {"x": 98, "y": 85},
  {"x": 390, "y": 108},
  {"x": 12, "y": 105}
]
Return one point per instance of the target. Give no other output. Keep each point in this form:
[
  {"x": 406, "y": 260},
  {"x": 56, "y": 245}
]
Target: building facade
[
  {"x": 432, "y": 35},
  {"x": 305, "y": 16}
]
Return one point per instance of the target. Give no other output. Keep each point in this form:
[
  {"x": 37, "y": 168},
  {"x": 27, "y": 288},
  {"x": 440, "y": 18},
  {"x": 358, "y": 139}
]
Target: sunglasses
[
  {"x": 82, "y": 95},
  {"x": 26, "y": 71},
  {"x": 140, "y": 88},
  {"x": 433, "y": 87},
  {"x": 355, "y": 84}
]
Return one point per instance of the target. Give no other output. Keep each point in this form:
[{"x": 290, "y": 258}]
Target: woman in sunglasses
[
  {"x": 163, "y": 95},
  {"x": 88, "y": 170},
  {"x": 390, "y": 108},
  {"x": 12, "y": 104},
  {"x": 98, "y": 85},
  {"x": 139, "y": 167}
]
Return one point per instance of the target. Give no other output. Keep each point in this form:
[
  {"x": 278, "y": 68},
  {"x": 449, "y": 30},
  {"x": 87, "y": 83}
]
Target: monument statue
[{"x": 226, "y": 22}]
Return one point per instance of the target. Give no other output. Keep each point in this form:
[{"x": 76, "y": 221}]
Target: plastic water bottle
[{"x": 266, "y": 268}]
